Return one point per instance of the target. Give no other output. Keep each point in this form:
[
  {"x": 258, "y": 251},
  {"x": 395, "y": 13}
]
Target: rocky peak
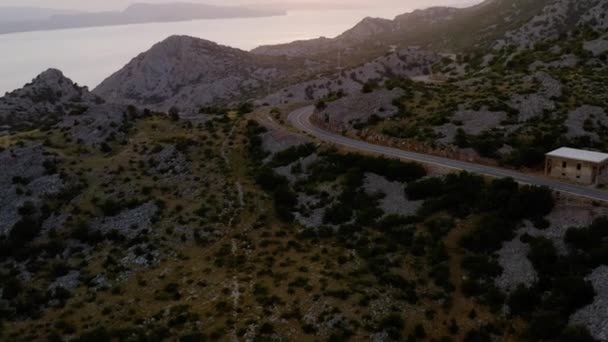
[
  {"x": 52, "y": 85},
  {"x": 49, "y": 94},
  {"x": 51, "y": 76},
  {"x": 177, "y": 48},
  {"x": 188, "y": 72}
]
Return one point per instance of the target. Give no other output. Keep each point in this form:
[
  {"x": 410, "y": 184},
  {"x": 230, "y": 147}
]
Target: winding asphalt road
[{"x": 300, "y": 119}]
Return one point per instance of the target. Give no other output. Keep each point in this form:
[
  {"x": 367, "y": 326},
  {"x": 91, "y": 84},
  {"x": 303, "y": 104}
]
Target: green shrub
[
  {"x": 576, "y": 334},
  {"x": 489, "y": 234},
  {"x": 481, "y": 266},
  {"x": 425, "y": 188},
  {"x": 546, "y": 326},
  {"x": 393, "y": 324},
  {"x": 523, "y": 300},
  {"x": 338, "y": 214},
  {"x": 292, "y": 154}
]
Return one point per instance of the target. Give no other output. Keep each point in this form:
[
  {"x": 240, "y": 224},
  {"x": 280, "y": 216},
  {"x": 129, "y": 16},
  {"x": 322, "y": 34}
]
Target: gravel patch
[
  {"x": 563, "y": 217},
  {"x": 314, "y": 219},
  {"x": 275, "y": 141},
  {"x": 69, "y": 281},
  {"x": 380, "y": 337},
  {"x": 360, "y": 107},
  {"x": 447, "y": 133},
  {"x": 596, "y": 47},
  {"x": 305, "y": 163},
  {"x": 531, "y": 106},
  {"x": 46, "y": 185},
  {"x": 404, "y": 63},
  {"x": 505, "y": 150},
  {"x": 130, "y": 222},
  {"x": 476, "y": 122},
  {"x": 595, "y": 315},
  {"x": 473, "y": 123},
  {"x": 55, "y": 221},
  {"x": 395, "y": 201},
  {"x": 169, "y": 161},
  {"x": 517, "y": 268},
  {"x": 133, "y": 258},
  {"x": 25, "y": 163},
  {"x": 100, "y": 282},
  {"x": 534, "y": 105},
  {"x": 596, "y": 16},
  {"x": 551, "y": 86},
  {"x": 576, "y": 121},
  {"x": 99, "y": 124}
]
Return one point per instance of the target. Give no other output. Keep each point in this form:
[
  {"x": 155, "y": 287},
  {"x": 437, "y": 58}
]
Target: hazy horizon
[{"x": 98, "y": 5}]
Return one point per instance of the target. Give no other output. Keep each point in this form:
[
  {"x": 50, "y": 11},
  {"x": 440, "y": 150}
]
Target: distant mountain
[
  {"x": 188, "y": 72},
  {"x": 24, "y": 13},
  {"x": 437, "y": 28},
  {"x": 136, "y": 14}
]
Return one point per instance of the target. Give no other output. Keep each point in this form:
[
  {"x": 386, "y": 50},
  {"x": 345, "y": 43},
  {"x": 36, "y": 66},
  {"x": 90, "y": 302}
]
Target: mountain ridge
[
  {"x": 189, "y": 72},
  {"x": 137, "y": 13}
]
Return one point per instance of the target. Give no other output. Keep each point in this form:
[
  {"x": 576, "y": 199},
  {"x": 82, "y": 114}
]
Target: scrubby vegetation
[
  {"x": 534, "y": 114},
  {"x": 205, "y": 267},
  {"x": 186, "y": 228},
  {"x": 444, "y": 255}
]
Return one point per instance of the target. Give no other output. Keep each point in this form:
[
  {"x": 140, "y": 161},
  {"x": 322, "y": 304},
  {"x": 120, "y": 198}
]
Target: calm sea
[{"x": 89, "y": 55}]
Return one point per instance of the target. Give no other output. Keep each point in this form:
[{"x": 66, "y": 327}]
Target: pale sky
[{"x": 96, "y": 5}]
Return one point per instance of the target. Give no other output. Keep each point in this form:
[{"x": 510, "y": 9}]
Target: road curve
[{"x": 300, "y": 119}]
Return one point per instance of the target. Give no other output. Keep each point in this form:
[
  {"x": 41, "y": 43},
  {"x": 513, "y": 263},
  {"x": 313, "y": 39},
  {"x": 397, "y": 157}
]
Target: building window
[
  {"x": 564, "y": 164},
  {"x": 579, "y": 166}
]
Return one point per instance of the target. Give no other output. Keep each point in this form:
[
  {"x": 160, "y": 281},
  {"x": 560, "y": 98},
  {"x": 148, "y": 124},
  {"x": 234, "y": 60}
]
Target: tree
[
  {"x": 545, "y": 326},
  {"x": 576, "y": 334},
  {"x": 245, "y": 108},
  {"x": 131, "y": 111},
  {"x": 369, "y": 86},
  {"x": 393, "y": 324},
  {"x": 321, "y": 105},
  {"x": 523, "y": 300},
  {"x": 174, "y": 114}
]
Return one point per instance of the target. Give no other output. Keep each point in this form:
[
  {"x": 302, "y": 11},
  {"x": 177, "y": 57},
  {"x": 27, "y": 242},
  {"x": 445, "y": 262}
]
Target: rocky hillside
[
  {"x": 367, "y": 29},
  {"x": 186, "y": 72},
  {"x": 558, "y": 18},
  {"x": 351, "y": 82},
  {"x": 519, "y": 22},
  {"x": 189, "y": 73},
  {"x": 539, "y": 87},
  {"x": 237, "y": 229},
  {"x": 47, "y": 98},
  {"x": 119, "y": 221}
]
